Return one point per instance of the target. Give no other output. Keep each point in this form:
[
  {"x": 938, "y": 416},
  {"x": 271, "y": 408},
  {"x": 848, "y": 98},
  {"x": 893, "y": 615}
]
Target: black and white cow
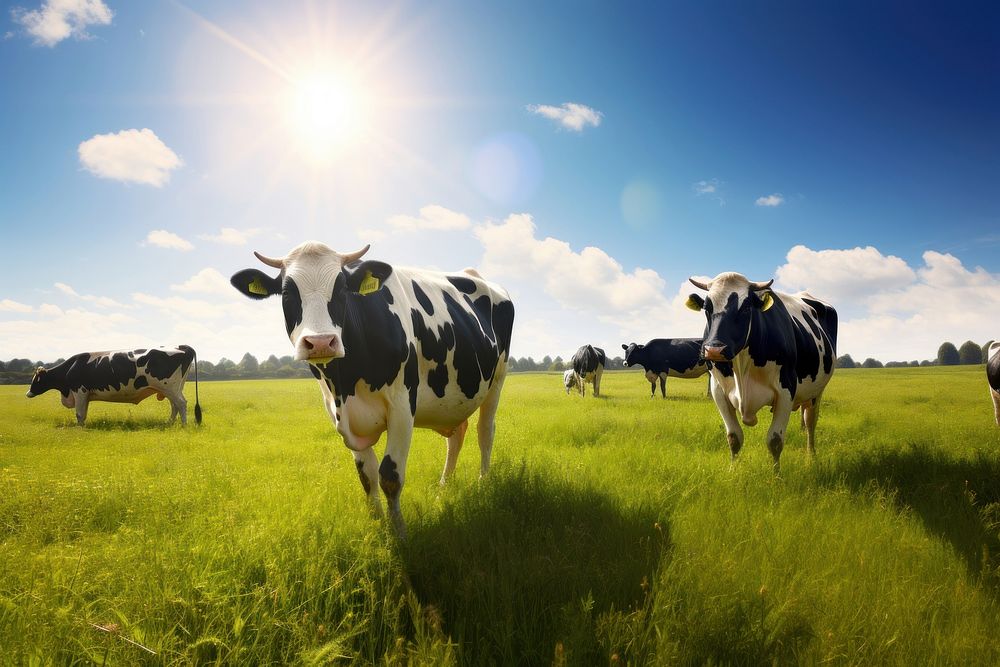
[
  {"x": 569, "y": 379},
  {"x": 393, "y": 349},
  {"x": 993, "y": 377},
  {"x": 588, "y": 366},
  {"x": 127, "y": 376},
  {"x": 667, "y": 357},
  {"x": 767, "y": 349}
]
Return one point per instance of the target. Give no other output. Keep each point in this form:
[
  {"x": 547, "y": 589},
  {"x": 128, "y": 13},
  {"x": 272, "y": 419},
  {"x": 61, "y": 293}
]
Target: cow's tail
[{"x": 197, "y": 403}]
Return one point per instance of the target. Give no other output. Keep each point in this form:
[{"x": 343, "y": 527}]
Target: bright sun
[{"x": 327, "y": 111}]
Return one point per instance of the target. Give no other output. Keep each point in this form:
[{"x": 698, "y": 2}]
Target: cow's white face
[{"x": 310, "y": 282}]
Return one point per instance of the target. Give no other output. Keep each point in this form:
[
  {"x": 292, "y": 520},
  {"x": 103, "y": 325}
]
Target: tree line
[{"x": 20, "y": 371}]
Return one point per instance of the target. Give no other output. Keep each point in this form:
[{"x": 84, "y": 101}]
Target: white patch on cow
[{"x": 314, "y": 267}]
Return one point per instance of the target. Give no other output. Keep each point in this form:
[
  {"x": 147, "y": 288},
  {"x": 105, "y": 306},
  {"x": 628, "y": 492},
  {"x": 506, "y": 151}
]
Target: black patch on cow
[
  {"x": 422, "y": 298},
  {"x": 434, "y": 347},
  {"x": 161, "y": 364},
  {"x": 587, "y": 359},
  {"x": 315, "y": 372},
  {"x": 389, "y": 477},
  {"x": 141, "y": 382},
  {"x": 255, "y": 284},
  {"x": 476, "y": 349},
  {"x": 677, "y": 357},
  {"x": 993, "y": 371},
  {"x": 411, "y": 378},
  {"x": 291, "y": 304},
  {"x": 365, "y": 484},
  {"x": 463, "y": 284}
]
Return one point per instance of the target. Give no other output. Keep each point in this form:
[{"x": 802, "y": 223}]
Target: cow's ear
[
  {"x": 255, "y": 284},
  {"x": 366, "y": 277},
  {"x": 767, "y": 301},
  {"x": 625, "y": 347},
  {"x": 695, "y": 302}
]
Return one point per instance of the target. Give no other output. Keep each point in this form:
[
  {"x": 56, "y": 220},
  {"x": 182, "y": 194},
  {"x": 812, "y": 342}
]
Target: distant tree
[
  {"x": 529, "y": 364},
  {"x": 3, "y": 366},
  {"x": 616, "y": 364},
  {"x": 927, "y": 362},
  {"x": 20, "y": 365},
  {"x": 970, "y": 353},
  {"x": 206, "y": 368},
  {"x": 270, "y": 364},
  {"x": 986, "y": 351},
  {"x": 845, "y": 361},
  {"x": 248, "y": 364},
  {"x": 871, "y": 363},
  {"x": 895, "y": 364},
  {"x": 287, "y": 360},
  {"x": 948, "y": 355},
  {"x": 558, "y": 364},
  {"x": 225, "y": 365},
  {"x": 546, "y": 362},
  {"x": 914, "y": 363}
]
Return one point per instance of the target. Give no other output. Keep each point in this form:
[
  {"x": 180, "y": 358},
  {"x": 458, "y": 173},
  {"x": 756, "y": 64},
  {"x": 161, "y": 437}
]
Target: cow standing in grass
[
  {"x": 667, "y": 357},
  {"x": 393, "y": 349},
  {"x": 993, "y": 377},
  {"x": 588, "y": 366},
  {"x": 122, "y": 377},
  {"x": 766, "y": 349}
]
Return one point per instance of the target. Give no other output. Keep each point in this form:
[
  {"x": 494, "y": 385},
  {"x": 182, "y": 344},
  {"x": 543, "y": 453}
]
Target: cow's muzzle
[
  {"x": 320, "y": 349},
  {"x": 29, "y": 394},
  {"x": 715, "y": 353}
]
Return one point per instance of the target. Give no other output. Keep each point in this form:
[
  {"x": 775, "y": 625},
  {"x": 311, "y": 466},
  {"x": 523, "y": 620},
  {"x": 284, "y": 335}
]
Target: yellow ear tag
[
  {"x": 369, "y": 284},
  {"x": 692, "y": 304},
  {"x": 768, "y": 301},
  {"x": 257, "y": 287}
]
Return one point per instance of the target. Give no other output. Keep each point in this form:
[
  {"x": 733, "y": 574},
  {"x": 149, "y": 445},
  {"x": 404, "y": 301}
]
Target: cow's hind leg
[
  {"x": 810, "y": 415},
  {"x": 367, "y": 464},
  {"x": 82, "y": 402},
  {"x": 597, "y": 381},
  {"x": 486, "y": 428},
  {"x": 663, "y": 386},
  {"x": 455, "y": 441},
  {"x": 652, "y": 389},
  {"x": 178, "y": 406},
  {"x": 776, "y": 433},
  {"x": 392, "y": 470},
  {"x": 996, "y": 404}
]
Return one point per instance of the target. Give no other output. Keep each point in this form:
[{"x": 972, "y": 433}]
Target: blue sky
[{"x": 849, "y": 149}]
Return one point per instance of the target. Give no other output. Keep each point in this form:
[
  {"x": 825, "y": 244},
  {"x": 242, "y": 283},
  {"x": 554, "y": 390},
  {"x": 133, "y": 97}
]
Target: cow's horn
[
  {"x": 756, "y": 287},
  {"x": 352, "y": 256},
  {"x": 700, "y": 285},
  {"x": 270, "y": 261}
]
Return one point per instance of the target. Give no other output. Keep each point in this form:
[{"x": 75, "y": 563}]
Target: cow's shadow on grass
[
  {"x": 518, "y": 563},
  {"x": 958, "y": 500},
  {"x": 130, "y": 424}
]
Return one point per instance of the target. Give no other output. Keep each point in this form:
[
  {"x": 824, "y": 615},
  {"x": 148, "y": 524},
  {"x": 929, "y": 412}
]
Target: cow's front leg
[
  {"x": 996, "y": 404},
  {"x": 392, "y": 471},
  {"x": 663, "y": 386},
  {"x": 487, "y": 425},
  {"x": 82, "y": 401},
  {"x": 776, "y": 434},
  {"x": 810, "y": 415},
  {"x": 367, "y": 464},
  {"x": 597, "y": 382},
  {"x": 455, "y": 441},
  {"x": 734, "y": 432}
]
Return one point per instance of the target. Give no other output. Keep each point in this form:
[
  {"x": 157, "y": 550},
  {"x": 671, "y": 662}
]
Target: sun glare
[{"x": 326, "y": 112}]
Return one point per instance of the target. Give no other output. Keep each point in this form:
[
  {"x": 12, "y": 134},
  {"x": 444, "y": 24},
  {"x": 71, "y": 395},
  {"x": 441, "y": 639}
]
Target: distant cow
[
  {"x": 569, "y": 380},
  {"x": 588, "y": 366},
  {"x": 993, "y": 376},
  {"x": 767, "y": 349},
  {"x": 122, "y": 377},
  {"x": 667, "y": 357},
  {"x": 393, "y": 349}
]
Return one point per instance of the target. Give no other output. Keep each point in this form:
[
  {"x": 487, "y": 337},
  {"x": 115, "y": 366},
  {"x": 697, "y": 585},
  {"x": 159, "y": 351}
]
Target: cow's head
[
  {"x": 630, "y": 349},
  {"x": 569, "y": 379},
  {"x": 314, "y": 283},
  {"x": 728, "y": 307},
  {"x": 39, "y": 383}
]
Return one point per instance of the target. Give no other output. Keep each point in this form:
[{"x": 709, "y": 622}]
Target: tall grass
[{"x": 610, "y": 530}]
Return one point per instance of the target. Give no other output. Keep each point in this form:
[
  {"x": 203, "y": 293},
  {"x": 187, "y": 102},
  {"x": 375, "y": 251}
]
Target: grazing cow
[
  {"x": 766, "y": 349},
  {"x": 667, "y": 357},
  {"x": 569, "y": 379},
  {"x": 393, "y": 349},
  {"x": 993, "y": 376},
  {"x": 122, "y": 377},
  {"x": 588, "y": 366}
]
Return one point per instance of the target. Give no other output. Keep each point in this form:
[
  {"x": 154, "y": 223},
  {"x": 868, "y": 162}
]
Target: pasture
[{"x": 611, "y": 530}]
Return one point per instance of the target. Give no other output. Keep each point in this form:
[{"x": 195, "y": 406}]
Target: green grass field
[{"x": 610, "y": 530}]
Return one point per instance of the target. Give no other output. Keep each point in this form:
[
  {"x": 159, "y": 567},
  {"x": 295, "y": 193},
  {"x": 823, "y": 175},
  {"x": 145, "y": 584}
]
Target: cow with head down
[
  {"x": 588, "y": 366},
  {"x": 766, "y": 349},
  {"x": 393, "y": 349}
]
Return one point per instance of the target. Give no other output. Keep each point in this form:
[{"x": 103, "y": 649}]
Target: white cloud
[
  {"x": 206, "y": 281},
  {"x": 130, "y": 156},
  {"x": 706, "y": 187},
  {"x": 569, "y": 115},
  {"x": 56, "y": 20},
  {"x": 8, "y": 306},
  {"x": 841, "y": 275},
  {"x": 770, "y": 200},
  {"x": 893, "y": 311},
  {"x": 431, "y": 217},
  {"x": 232, "y": 236},
  {"x": 102, "y": 301},
  {"x": 161, "y": 238}
]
